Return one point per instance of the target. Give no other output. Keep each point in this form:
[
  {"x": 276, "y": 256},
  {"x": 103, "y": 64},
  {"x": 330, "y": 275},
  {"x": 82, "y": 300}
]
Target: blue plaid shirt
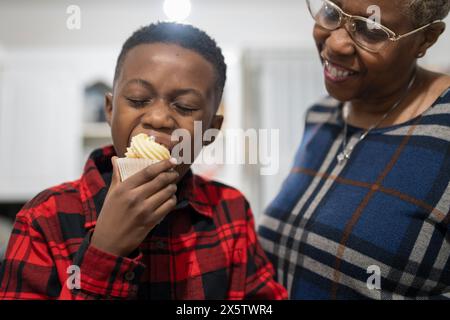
[{"x": 375, "y": 226}]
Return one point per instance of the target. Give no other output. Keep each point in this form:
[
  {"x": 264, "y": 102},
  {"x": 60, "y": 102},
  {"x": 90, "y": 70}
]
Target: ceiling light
[{"x": 177, "y": 10}]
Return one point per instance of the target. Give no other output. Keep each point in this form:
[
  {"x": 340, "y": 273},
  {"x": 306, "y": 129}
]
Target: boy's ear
[
  {"x": 216, "y": 123},
  {"x": 108, "y": 107}
]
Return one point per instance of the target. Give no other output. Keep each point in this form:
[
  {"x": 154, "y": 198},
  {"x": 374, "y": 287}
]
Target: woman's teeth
[{"x": 336, "y": 72}]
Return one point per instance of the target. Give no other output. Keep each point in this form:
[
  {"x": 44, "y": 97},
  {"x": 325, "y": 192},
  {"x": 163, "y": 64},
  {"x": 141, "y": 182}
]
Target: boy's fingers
[
  {"x": 158, "y": 183},
  {"x": 157, "y": 199},
  {"x": 116, "y": 174},
  {"x": 160, "y": 213},
  {"x": 150, "y": 173}
]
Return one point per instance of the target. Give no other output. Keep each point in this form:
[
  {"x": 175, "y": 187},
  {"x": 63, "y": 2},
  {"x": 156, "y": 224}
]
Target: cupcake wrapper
[{"x": 128, "y": 167}]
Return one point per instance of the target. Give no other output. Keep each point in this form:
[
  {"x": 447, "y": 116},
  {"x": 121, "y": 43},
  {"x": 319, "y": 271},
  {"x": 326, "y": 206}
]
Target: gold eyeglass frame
[{"x": 346, "y": 19}]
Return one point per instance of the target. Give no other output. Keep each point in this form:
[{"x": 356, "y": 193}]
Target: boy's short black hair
[{"x": 186, "y": 36}]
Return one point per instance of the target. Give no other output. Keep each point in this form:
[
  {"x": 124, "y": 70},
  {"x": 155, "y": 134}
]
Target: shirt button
[
  {"x": 129, "y": 276},
  {"x": 161, "y": 244}
]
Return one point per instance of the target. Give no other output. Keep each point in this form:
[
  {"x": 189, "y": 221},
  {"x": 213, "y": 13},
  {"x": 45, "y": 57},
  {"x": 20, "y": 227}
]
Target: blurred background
[{"x": 54, "y": 73}]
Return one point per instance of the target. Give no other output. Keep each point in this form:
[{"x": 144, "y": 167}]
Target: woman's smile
[{"x": 337, "y": 74}]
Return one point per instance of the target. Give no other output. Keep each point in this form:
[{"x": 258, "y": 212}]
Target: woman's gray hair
[{"x": 425, "y": 11}]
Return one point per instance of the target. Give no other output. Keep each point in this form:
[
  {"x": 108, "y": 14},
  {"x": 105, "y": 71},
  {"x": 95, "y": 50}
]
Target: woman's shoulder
[
  {"x": 441, "y": 90},
  {"x": 444, "y": 98},
  {"x": 438, "y": 87}
]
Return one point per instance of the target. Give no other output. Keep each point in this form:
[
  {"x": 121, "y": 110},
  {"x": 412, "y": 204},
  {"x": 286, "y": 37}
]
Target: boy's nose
[{"x": 157, "y": 115}]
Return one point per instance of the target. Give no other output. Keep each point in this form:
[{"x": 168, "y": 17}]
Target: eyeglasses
[{"x": 365, "y": 32}]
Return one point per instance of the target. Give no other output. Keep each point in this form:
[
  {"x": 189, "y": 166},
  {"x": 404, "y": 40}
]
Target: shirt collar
[
  {"x": 195, "y": 193},
  {"x": 193, "y": 190}
]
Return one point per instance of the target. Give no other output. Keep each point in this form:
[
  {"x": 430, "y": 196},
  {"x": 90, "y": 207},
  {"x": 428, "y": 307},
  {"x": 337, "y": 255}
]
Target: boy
[{"x": 162, "y": 233}]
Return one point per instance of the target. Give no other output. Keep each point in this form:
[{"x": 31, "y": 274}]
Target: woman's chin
[{"x": 340, "y": 94}]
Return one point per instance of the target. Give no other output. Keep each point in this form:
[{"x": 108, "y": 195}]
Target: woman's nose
[
  {"x": 158, "y": 115},
  {"x": 339, "y": 43}
]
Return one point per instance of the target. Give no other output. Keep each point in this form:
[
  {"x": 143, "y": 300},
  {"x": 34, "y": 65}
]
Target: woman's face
[{"x": 374, "y": 76}]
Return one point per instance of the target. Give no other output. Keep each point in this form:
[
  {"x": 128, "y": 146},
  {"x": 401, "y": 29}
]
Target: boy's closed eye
[
  {"x": 184, "y": 108},
  {"x": 138, "y": 102},
  {"x": 179, "y": 106}
]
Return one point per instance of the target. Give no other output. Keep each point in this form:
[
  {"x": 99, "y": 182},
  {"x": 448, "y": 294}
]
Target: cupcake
[{"x": 143, "y": 151}]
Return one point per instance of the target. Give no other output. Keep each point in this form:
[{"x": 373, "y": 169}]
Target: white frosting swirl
[{"x": 145, "y": 147}]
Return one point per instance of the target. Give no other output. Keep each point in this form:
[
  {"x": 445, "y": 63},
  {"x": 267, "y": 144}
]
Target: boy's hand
[{"x": 132, "y": 208}]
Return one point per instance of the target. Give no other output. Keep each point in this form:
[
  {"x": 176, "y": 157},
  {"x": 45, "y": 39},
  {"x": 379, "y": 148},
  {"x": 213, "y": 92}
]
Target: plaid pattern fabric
[
  {"x": 205, "y": 249},
  {"x": 333, "y": 228}
]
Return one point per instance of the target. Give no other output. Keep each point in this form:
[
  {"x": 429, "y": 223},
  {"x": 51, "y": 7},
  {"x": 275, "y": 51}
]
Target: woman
[{"x": 365, "y": 210}]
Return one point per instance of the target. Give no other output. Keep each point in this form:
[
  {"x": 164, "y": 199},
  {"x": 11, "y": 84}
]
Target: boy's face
[{"x": 161, "y": 88}]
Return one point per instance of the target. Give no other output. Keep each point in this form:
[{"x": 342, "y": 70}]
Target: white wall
[
  {"x": 234, "y": 23},
  {"x": 248, "y": 23}
]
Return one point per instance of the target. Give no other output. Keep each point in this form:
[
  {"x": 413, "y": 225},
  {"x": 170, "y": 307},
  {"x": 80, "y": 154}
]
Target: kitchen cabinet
[{"x": 41, "y": 117}]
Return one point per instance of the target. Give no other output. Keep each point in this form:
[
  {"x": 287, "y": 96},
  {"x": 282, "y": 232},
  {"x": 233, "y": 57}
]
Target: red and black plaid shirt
[{"x": 205, "y": 249}]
